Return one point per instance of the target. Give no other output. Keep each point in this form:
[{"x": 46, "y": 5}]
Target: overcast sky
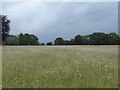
[{"x": 49, "y": 20}]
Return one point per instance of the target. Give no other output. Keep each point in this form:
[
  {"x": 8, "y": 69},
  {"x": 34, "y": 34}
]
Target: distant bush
[
  {"x": 42, "y": 43},
  {"x": 49, "y": 43}
]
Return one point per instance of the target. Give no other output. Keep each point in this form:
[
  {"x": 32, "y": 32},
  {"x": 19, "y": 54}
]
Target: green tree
[
  {"x": 28, "y": 39},
  {"x": 21, "y": 39},
  {"x": 98, "y": 38},
  {"x": 5, "y": 27},
  {"x": 72, "y": 42},
  {"x": 119, "y": 41},
  {"x": 86, "y": 40},
  {"x": 78, "y": 40},
  {"x": 113, "y": 38},
  {"x": 66, "y": 42},
  {"x": 59, "y": 41},
  {"x": 49, "y": 43},
  {"x": 12, "y": 40}
]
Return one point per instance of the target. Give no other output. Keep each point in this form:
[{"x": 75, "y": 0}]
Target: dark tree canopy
[
  {"x": 59, "y": 41},
  {"x": 28, "y": 39},
  {"x": 72, "y": 42},
  {"x": 78, "y": 39},
  {"x": 97, "y": 38},
  {"x": 49, "y": 43},
  {"x": 12, "y": 40},
  {"x": 5, "y": 27}
]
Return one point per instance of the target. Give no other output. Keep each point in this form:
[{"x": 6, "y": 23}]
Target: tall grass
[
  {"x": 0, "y": 67},
  {"x": 60, "y": 66}
]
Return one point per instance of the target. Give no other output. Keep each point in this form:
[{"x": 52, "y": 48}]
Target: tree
[
  {"x": 12, "y": 40},
  {"x": 28, "y": 39},
  {"x": 72, "y": 42},
  {"x": 119, "y": 41},
  {"x": 49, "y": 43},
  {"x": 98, "y": 38},
  {"x": 21, "y": 39},
  {"x": 5, "y": 27},
  {"x": 78, "y": 40},
  {"x": 86, "y": 40},
  {"x": 34, "y": 39},
  {"x": 113, "y": 38},
  {"x": 59, "y": 41},
  {"x": 66, "y": 42}
]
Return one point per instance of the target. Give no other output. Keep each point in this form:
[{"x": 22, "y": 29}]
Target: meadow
[{"x": 60, "y": 66}]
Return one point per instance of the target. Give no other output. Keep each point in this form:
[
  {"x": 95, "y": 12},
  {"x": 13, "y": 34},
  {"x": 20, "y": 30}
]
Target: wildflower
[
  {"x": 101, "y": 62},
  {"x": 108, "y": 77},
  {"x": 106, "y": 70},
  {"x": 83, "y": 60},
  {"x": 60, "y": 67},
  {"x": 53, "y": 71},
  {"x": 80, "y": 75},
  {"x": 107, "y": 65},
  {"x": 15, "y": 78}
]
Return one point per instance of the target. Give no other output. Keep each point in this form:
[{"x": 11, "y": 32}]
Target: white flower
[
  {"x": 15, "y": 78},
  {"x": 83, "y": 60},
  {"x": 107, "y": 65},
  {"x": 108, "y": 77},
  {"x": 53, "y": 71},
  {"x": 101, "y": 62},
  {"x": 80, "y": 75},
  {"x": 60, "y": 67},
  {"x": 106, "y": 70}
]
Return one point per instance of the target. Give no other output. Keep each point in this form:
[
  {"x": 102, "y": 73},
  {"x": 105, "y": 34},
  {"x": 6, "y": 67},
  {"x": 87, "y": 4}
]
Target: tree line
[
  {"x": 22, "y": 39},
  {"x": 96, "y": 38}
]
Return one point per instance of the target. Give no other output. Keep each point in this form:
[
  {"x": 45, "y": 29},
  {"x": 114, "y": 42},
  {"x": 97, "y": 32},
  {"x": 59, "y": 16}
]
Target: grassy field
[
  {"x": 0, "y": 67},
  {"x": 60, "y": 67}
]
